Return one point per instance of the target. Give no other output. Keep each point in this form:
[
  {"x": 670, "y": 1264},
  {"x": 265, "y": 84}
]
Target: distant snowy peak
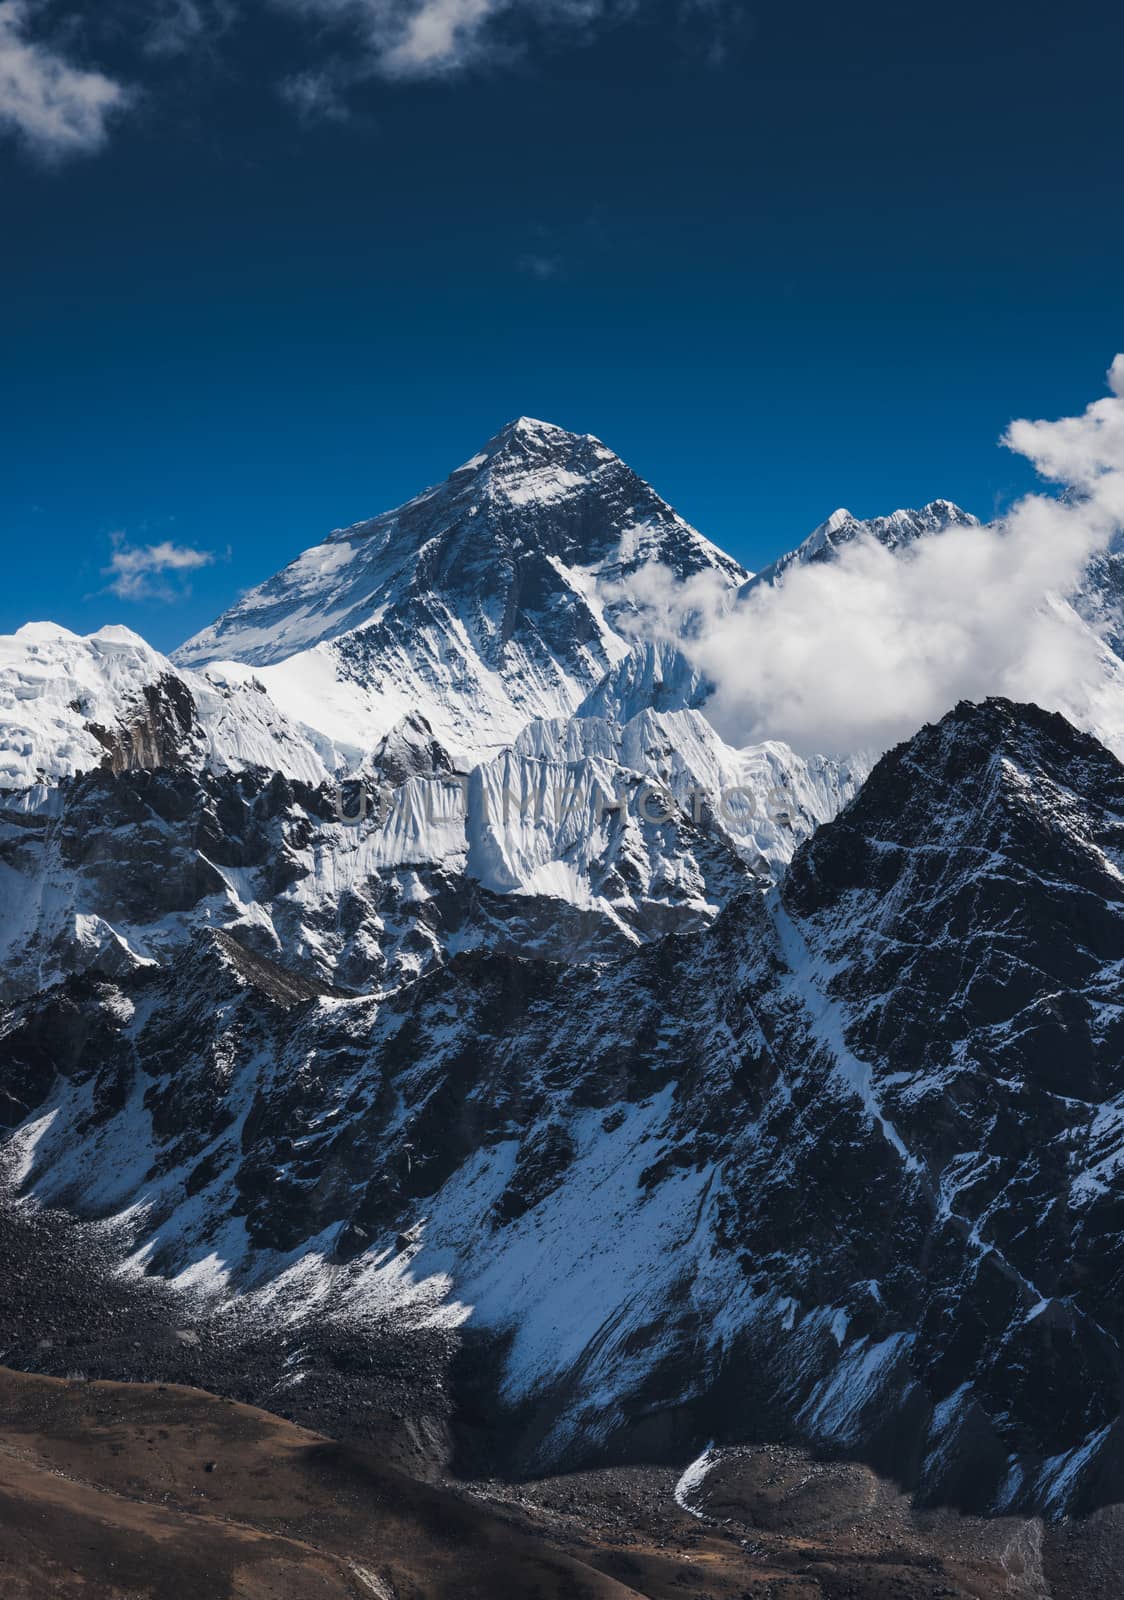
[
  {"x": 1100, "y": 597},
  {"x": 497, "y": 597},
  {"x": 71, "y": 704},
  {"x": 898, "y": 529}
]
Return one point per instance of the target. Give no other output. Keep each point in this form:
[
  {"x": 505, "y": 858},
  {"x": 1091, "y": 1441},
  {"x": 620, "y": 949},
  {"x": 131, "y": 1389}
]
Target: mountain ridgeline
[{"x": 359, "y": 1001}]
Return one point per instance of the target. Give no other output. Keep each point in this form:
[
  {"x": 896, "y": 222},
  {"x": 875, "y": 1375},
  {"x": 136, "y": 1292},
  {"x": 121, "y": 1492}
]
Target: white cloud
[
  {"x": 59, "y": 108},
  {"x": 137, "y": 572},
  {"x": 56, "y": 109},
  {"x": 856, "y": 654},
  {"x": 436, "y": 35},
  {"x": 320, "y": 93},
  {"x": 177, "y": 27},
  {"x": 434, "y": 38}
]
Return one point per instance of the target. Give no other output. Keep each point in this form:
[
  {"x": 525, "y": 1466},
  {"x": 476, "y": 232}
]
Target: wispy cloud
[
  {"x": 543, "y": 267},
  {"x": 183, "y": 27},
  {"x": 715, "y": 28},
  {"x": 432, "y": 38},
  {"x": 426, "y": 39},
  {"x": 152, "y": 571},
  {"x": 57, "y": 109},
  {"x": 319, "y": 94},
  {"x": 60, "y": 108}
]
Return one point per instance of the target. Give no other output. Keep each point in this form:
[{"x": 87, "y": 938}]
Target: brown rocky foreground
[{"x": 112, "y": 1491}]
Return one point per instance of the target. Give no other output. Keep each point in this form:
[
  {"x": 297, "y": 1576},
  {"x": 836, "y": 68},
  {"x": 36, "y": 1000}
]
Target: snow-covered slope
[
  {"x": 654, "y": 675},
  {"x": 411, "y": 962},
  {"x": 69, "y": 704},
  {"x": 843, "y": 1164},
  {"x": 895, "y": 531},
  {"x": 479, "y": 604},
  {"x": 586, "y": 836}
]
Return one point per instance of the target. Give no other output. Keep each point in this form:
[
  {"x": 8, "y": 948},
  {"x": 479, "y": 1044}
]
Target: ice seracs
[{"x": 843, "y": 1159}]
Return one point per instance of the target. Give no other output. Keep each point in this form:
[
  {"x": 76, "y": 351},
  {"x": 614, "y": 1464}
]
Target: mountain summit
[
  {"x": 896, "y": 530},
  {"x": 772, "y": 1105},
  {"x": 479, "y": 602}
]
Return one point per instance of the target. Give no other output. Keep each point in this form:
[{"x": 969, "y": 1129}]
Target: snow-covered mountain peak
[
  {"x": 530, "y": 434},
  {"x": 522, "y": 448},
  {"x": 534, "y": 490},
  {"x": 482, "y": 603},
  {"x": 72, "y": 703},
  {"x": 894, "y": 531},
  {"x": 509, "y": 436},
  {"x": 63, "y": 696},
  {"x": 49, "y": 638},
  {"x": 530, "y": 427}
]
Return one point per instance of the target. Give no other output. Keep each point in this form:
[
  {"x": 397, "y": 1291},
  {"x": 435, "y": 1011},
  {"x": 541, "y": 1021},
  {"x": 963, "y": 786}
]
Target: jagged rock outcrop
[
  {"x": 842, "y": 1166},
  {"x": 413, "y": 979}
]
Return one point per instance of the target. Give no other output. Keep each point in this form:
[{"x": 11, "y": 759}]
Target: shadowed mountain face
[
  {"x": 402, "y": 1003},
  {"x": 841, "y": 1166},
  {"x": 511, "y": 532},
  {"x": 477, "y": 602}
]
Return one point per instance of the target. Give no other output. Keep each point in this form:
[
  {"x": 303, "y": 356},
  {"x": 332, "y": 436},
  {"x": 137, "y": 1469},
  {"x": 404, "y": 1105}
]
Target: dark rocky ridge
[
  {"x": 881, "y": 1101},
  {"x": 487, "y": 573},
  {"x": 148, "y": 843}
]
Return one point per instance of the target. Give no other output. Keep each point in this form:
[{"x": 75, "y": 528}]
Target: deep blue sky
[{"x": 825, "y": 271}]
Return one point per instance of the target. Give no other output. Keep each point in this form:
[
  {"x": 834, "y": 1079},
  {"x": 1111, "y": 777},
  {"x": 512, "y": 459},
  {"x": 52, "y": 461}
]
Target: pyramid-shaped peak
[
  {"x": 530, "y": 439},
  {"x": 534, "y": 428},
  {"x": 949, "y": 511},
  {"x": 822, "y": 539},
  {"x": 529, "y": 435},
  {"x": 515, "y": 535},
  {"x": 532, "y": 425}
]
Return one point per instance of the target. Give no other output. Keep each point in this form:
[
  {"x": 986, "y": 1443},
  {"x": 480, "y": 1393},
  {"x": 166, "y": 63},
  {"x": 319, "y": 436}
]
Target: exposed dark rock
[{"x": 849, "y": 1156}]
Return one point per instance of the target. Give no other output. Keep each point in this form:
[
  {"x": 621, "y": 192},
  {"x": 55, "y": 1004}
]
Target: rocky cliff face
[
  {"x": 841, "y": 1165},
  {"x": 431, "y": 998},
  {"x": 483, "y": 603}
]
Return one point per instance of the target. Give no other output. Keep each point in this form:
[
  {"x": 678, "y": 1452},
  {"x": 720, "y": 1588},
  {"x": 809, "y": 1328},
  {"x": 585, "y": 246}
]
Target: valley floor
[
  {"x": 161, "y": 1490},
  {"x": 112, "y": 1491}
]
